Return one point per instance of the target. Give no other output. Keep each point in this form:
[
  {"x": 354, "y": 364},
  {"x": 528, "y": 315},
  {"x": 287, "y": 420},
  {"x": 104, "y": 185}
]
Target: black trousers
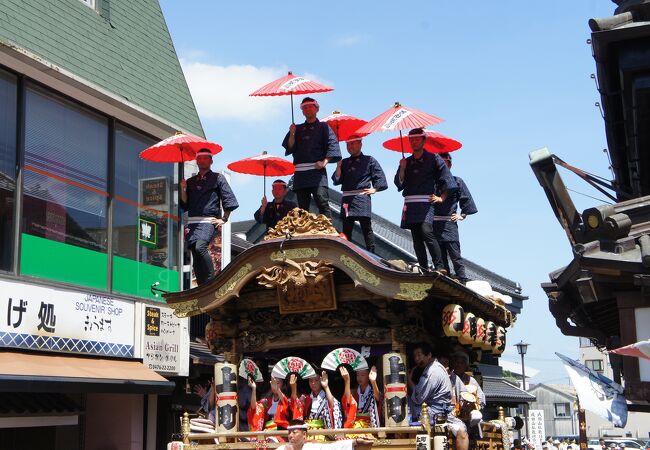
[
  {"x": 451, "y": 250},
  {"x": 366, "y": 229},
  {"x": 423, "y": 239},
  {"x": 321, "y": 197},
  {"x": 202, "y": 261}
]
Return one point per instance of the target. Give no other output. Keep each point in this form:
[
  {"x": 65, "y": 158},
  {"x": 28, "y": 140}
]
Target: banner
[
  {"x": 597, "y": 393},
  {"x": 536, "y": 427}
]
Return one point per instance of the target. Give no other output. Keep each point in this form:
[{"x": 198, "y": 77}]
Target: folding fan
[
  {"x": 293, "y": 364},
  {"x": 248, "y": 368},
  {"x": 344, "y": 356}
]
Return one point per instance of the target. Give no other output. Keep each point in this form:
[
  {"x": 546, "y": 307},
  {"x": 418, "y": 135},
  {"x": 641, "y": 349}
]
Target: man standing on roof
[
  {"x": 313, "y": 145},
  {"x": 445, "y": 223},
  {"x": 271, "y": 213},
  {"x": 360, "y": 176},
  {"x": 420, "y": 177},
  {"x": 203, "y": 196}
]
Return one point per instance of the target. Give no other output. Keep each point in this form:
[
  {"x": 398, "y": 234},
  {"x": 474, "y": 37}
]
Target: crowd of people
[
  {"x": 442, "y": 383},
  {"x": 434, "y": 200}
]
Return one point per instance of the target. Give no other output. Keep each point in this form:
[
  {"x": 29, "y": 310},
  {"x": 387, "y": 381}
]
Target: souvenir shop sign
[
  {"x": 473, "y": 331},
  {"x": 165, "y": 340},
  {"x": 42, "y": 318}
]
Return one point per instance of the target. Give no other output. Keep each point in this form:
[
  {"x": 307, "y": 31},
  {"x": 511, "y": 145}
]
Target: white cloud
[
  {"x": 221, "y": 92},
  {"x": 349, "y": 40}
]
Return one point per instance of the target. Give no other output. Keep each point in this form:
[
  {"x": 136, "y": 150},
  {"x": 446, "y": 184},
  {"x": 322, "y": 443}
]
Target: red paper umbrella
[
  {"x": 263, "y": 165},
  {"x": 399, "y": 118},
  {"x": 291, "y": 85},
  {"x": 638, "y": 349},
  {"x": 435, "y": 143},
  {"x": 343, "y": 125},
  {"x": 180, "y": 147}
]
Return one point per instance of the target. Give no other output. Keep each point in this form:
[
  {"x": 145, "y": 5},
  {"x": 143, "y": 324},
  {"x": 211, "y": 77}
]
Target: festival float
[{"x": 307, "y": 294}]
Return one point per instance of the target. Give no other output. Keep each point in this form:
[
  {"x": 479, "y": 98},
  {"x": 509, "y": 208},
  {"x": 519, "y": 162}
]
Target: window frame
[
  {"x": 23, "y": 81},
  {"x": 18, "y": 163},
  {"x": 589, "y": 364},
  {"x": 567, "y": 408}
]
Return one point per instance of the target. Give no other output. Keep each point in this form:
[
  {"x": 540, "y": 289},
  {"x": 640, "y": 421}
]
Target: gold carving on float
[
  {"x": 186, "y": 308},
  {"x": 300, "y": 222},
  {"x": 302, "y": 287},
  {"x": 229, "y": 285},
  {"x": 294, "y": 253},
  {"x": 360, "y": 271},
  {"x": 413, "y": 291}
]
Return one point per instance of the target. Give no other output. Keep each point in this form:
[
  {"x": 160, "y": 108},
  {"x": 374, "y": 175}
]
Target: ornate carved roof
[{"x": 310, "y": 256}]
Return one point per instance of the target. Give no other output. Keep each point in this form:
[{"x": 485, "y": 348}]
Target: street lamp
[{"x": 522, "y": 347}]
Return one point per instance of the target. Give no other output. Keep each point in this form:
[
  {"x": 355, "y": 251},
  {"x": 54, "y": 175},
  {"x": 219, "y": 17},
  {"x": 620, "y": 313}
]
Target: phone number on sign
[{"x": 162, "y": 367}]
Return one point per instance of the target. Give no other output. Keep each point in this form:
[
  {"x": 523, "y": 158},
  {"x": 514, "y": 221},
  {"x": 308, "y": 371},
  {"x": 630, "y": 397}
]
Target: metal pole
[{"x": 523, "y": 383}]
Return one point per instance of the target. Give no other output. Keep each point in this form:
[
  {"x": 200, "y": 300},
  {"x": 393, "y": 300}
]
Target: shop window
[
  {"x": 145, "y": 225},
  {"x": 585, "y": 342},
  {"x": 8, "y": 98},
  {"x": 65, "y": 198},
  {"x": 594, "y": 364},
  {"x": 562, "y": 410}
]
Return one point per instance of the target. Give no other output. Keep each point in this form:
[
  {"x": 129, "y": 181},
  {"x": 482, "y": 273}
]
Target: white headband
[
  {"x": 311, "y": 102},
  {"x": 303, "y": 427},
  {"x": 416, "y": 135}
]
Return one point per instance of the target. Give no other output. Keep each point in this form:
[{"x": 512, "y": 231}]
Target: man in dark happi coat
[
  {"x": 203, "y": 197},
  {"x": 360, "y": 176},
  {"x": 445, "y": 222},
  {"x": 313, "y": 145},
  {"x": 420, "y": 176},
  {"x": 270, "y": 213}
]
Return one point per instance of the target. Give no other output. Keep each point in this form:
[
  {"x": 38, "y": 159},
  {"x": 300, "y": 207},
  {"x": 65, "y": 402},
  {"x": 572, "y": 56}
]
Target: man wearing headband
[
  {"x": 462, "y": 382},
  {"x": 298, "y": 433},
  {"x": 420, "y": 177},
  {"x": 360, "y": 176},
  {"x": 313, "y": 145},
  {"x": 435, "y": 389},
  {"x": 445, "y": 222},
  {"x": 270, "y": 214},
  {"x": 203, "y": 196}
]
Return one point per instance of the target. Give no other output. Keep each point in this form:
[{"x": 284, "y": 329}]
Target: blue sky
[{"x": 507, "y": 76}]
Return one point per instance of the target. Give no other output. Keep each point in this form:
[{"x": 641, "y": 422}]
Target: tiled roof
[
  {"x": 37, "y": 404},
  {"x": 201, "y": 354},
  {"x": 401, "y": 243},
  {"x": 124, "y": 47},
  {"x": 500, "y": 390}
]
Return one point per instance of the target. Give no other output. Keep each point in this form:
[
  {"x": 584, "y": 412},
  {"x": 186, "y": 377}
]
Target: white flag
[{"x": 597, "y": 393}]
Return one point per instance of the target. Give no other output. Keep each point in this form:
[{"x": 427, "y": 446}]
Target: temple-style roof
[
  {"x": 393, "y": 242},
  {"x": 315, "y": 247}
]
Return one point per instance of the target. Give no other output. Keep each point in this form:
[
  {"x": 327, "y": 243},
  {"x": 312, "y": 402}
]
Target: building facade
[
  {"x": 86, "y": 226},
  {"x": 559, "y": 403}
]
